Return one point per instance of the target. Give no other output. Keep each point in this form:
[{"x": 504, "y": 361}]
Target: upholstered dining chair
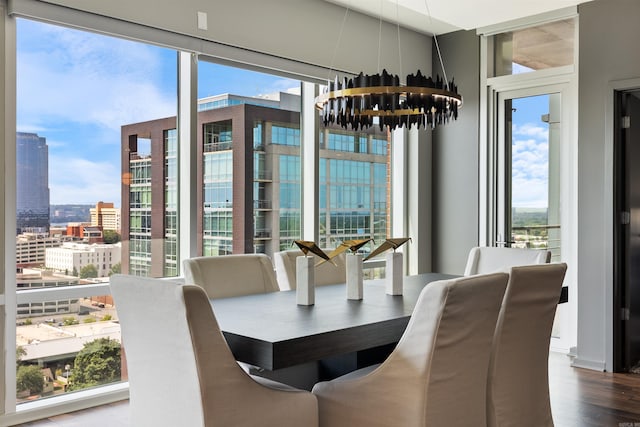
[
  {"x": 231, "y": 275},
  {"x": 489, "y": 259},
  {"x": 518, "y": 381},
  {"x": 325, "y": 274},
  {"x": 436, "y": 375},
  {"x": 181, "y": 371}
]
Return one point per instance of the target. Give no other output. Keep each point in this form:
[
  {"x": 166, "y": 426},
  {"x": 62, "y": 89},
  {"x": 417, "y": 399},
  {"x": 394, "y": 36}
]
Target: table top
[{"x": 272, "y": 331}]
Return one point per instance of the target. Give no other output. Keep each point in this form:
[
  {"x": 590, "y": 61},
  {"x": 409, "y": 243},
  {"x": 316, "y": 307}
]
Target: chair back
[
  {"x": 489, "y": 259},
  {"x": 231, "y": 275},
  {"x": 436, "y": 375},
  {"x": 162, "y": 369},
  {"x": 518, "y": 381},
  {"x": 181, "y": 371},
  {"x": 325, "y": 273}
]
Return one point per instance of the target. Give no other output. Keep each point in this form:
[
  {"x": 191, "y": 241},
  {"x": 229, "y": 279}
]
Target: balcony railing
[
  {"x": 262, "y": 204},
  {"x": 262, "y": 233},
  {"x": 217, "y": 146},
  {"x": 263, "y": 176},
  {"x": 538, "y": 237}
]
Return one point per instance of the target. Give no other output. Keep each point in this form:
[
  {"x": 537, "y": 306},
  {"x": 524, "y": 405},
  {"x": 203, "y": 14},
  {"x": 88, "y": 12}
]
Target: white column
[
  {"x": 309, "y": 161},
  {"x": 8, "y": 211},
  {"x": 187, "y": 143}
]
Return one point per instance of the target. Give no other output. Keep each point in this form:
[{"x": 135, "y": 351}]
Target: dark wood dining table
[{"x": 272, "y": 332}]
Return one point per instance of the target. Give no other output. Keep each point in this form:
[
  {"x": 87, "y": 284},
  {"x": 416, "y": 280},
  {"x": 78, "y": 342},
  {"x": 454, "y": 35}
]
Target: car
[{"x": 101, "y": 305}]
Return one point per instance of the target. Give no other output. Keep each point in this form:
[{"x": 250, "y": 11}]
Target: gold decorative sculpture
[
  {"x": 307, "y": 246},
  {"x": 352, "y": 245},
  {"x": 388, "y": 244}
]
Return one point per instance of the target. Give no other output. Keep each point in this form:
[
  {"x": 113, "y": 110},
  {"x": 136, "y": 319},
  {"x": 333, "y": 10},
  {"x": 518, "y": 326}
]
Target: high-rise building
[
  {"x": 106, "y": 216},
  {"x": 248, "y": 177},
  {"x": 32, "y": 180}
]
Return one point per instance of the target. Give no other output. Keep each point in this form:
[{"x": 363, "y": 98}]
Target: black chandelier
[
  {"x": 365, "y": 100},
  {"x": 356, "y": 102}
]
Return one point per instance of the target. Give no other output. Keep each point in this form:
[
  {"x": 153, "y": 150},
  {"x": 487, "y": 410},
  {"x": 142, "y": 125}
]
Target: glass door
[{"x": 528, "y": 178}]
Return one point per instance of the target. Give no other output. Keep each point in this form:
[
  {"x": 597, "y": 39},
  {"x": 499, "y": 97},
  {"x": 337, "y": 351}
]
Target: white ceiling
[{"x": 444, "y": 16}]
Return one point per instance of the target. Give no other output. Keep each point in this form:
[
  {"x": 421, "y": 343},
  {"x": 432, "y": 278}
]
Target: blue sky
[
  {"x": 77, "y": 88},
  {"x": 530, "y": 152}
]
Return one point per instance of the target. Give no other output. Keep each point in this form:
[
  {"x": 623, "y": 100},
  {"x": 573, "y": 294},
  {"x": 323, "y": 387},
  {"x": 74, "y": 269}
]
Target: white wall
[
  {"x": 455, "y": 158},
  {"x": 609, "y": 35}
]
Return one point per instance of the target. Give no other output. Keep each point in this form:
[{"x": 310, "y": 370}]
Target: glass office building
[
  {"x": 250, "y": 181},
  {"x": 32, "y": 182}
]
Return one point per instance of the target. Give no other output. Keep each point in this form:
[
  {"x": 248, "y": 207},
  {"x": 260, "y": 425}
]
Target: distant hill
[{"x": 521, "y": 217}]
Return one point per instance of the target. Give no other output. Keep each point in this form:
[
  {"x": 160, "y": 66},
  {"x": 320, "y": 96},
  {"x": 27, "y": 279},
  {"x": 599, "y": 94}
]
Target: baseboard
[{"x": 594, "y": 365}]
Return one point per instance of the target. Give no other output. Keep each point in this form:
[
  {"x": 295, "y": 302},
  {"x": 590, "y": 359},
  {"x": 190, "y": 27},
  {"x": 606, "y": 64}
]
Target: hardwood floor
[
  {"x": 579, "y": 398},
  {"x": 585, "y": 398}
]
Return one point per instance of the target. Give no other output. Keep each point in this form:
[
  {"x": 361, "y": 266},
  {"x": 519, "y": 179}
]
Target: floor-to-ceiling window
[
  {"x": 75, "y": 92},
  {"x": 354, "y": 185}
]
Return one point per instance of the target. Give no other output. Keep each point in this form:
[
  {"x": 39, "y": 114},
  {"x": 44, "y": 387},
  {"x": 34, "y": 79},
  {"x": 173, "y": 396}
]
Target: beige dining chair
[
  {"x": 181, "y": 371},
  {"x": 231, "y": 275},
  {"x": 326, "y": 273},
  {"x": 437, "y": 374},
  {"x": 518, "y": 381},
  {"x": 489, "y": 259}
]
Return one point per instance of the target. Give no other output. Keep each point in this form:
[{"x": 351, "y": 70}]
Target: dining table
[
  {"x": 303, "y": 344},
  {"x": 271, "y": 331}
]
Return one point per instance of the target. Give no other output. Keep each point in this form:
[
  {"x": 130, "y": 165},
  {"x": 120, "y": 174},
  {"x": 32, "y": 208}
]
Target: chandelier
[
  {"x": 357, "y": 101},
  {"x": 365, "y": 100}
]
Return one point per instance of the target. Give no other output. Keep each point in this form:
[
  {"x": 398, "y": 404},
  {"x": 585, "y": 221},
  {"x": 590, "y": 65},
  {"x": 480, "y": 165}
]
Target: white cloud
[
  {"x": 530, "y": 165},
  {"x": 531, "y": 130},
  {"x": 83, "y": 181},
  {"x": 80, "y": 77}
]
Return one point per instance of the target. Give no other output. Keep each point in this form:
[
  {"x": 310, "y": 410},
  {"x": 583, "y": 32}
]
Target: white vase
[
  {"x": 354, "y": 276},
  {"x": 393, "y": 273},
  {"x": 305, "y": 281}
]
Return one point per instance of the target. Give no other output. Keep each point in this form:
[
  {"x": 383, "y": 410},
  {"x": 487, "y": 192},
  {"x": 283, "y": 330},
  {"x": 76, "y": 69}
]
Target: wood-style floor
[{"x": 579, "y": 398}]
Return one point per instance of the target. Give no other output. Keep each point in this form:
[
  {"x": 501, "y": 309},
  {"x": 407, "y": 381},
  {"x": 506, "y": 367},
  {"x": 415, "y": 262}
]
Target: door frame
[
  {"x": 610, "y": 302},
  {"x": 489, "y": 204},
  {"x": 620, "y": 232}
]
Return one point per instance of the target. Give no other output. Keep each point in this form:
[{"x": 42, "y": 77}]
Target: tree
[
  {"x": 74, "y": 272},
  {"x": 97, "y": 363},
  {"x": 110, "y": 236},
  {"x": 20, "y": 353},
  {"x": 88, "y": 271},
  {"x": 68, "y": 321},
  {"x": 115, "y": 269},
  {"x": 29, "y": 377}
]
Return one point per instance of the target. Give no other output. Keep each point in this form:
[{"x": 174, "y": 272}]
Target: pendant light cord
[
  {"x": 335, "y": 50},
  {"x": 398, "y": 29},
  {"x": 435, "y": 39},
  {"x": 379, "y": 34}
]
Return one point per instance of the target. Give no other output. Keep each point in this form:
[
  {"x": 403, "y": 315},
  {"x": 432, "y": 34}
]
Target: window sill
[{"x": 70, "y": 402}]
